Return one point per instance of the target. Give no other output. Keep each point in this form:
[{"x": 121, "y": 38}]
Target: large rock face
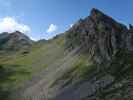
[
  {"x": 99, "y": 34},
  {"x": 14, "y": 41},
  {"x": 107, "y": 41},
  {"x": 129, "y": 39}
]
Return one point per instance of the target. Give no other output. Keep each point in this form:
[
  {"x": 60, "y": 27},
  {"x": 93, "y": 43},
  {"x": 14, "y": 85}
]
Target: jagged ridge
[{"x": 99, "y": 34}]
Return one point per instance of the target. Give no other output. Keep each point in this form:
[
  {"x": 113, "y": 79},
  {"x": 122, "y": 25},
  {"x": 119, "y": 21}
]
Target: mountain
[
  {"x": 14, "y": 41},
  {"x": 93, "y": 60},
  {"x": 107, "y": 73},
  {"x": 99, "y": 34}
]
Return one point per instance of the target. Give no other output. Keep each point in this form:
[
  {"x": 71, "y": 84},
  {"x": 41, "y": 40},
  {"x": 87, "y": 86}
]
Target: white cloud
[
  {"x": 9, "y": 24},
  {"x": 71, "y": 25},
  {"x": 52, "y": 28}
]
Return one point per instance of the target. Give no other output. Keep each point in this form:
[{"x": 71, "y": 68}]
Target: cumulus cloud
[
  {"x": 9, "y": 24},
  {"x": 71, "y": 25},
  {"x": 52, "y": 28}
]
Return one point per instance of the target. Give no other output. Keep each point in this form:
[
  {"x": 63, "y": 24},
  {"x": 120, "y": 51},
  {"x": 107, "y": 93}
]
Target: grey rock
[
  {"x": 14, "y": 41},
  {"x": 100, "y": 32}
]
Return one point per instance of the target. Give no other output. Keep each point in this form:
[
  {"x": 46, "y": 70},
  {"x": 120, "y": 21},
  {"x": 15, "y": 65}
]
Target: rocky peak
[
  {"x": 130, "y": 28},
  {"x": 98, "y": 33},
  {"x": 129, "y": 39},
  {"x": 14, "y": 41},
  {"x": 19, "y": 36},
  {"x": 96, "y": 14}
]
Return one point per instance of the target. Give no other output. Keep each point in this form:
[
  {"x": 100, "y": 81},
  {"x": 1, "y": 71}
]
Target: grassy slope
[
  {"x": 81, "y": 69},
  {"x": 43, "y": 55},
  {"x": 19, "y": 67}
]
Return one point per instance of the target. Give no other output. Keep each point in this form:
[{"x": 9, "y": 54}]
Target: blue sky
[{"x": 45, "y": 18}]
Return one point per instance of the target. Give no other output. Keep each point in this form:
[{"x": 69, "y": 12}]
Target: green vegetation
[
  {"x": 8, "y": 79},
  {"x": 81, "y": 68},
  {"x": 73, "y": 39},
  {"x": 122, "y": 65},
  {"x": 84, "y": 67},
  {"x": 16, "y": 68}
]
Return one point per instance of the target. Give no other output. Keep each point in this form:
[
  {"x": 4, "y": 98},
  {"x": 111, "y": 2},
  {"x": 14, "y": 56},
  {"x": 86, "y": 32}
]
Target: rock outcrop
[
  {"x": 100, "y": 35},
  {"x": 110, "y": 45}
]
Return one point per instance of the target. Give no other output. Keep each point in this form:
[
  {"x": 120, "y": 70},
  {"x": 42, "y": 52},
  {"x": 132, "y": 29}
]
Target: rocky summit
[
  {"x": 93, "y": 60},
  {"x": 109, "y": 44},
  {"x": 14, "y": 41},
  {"x": 100, "y": 35}
]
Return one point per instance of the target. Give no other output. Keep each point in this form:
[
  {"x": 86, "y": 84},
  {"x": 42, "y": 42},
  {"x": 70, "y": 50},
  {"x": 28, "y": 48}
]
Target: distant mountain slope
[
  {"x": 28, "y": 69},
  {"x": 14, "y": 41}
]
